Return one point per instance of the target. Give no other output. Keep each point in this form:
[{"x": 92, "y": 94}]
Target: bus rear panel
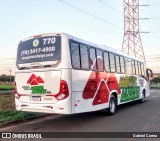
[{"x": 42, "y": 82}]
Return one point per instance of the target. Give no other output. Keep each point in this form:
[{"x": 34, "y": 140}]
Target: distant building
[{"x": 156, "y": 74}]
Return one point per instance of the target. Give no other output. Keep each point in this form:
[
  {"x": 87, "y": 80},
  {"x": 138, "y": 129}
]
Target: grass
[
  {"x": 8, "y": 114},
  {"x": 6, "y": 87},
  {"x": 155, "y": 86},
  {"x": 7, "y": 102},
  {"x": 13, "y": 116}
]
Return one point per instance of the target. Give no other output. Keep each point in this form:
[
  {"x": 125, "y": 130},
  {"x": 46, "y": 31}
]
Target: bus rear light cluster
[
  {"x": 61, "y": 96},
  {"x": 24, "y": 105},
  {"x": 64, "y": 92}
]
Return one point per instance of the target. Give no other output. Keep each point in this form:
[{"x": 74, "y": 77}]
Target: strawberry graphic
[
  {"x": 97, "y": 81},
  {"x": 102, "y": 94},
  {"x": 94, "y": 80},
  {"x": 113, "y": 83}
]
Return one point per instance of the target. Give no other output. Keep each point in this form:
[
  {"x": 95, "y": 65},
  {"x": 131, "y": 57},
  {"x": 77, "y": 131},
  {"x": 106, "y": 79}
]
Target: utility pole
[
  {"x": 132, "y": 44},
  {"x": 10, "y": 71}
]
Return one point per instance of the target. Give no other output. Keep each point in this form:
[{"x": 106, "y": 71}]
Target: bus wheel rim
[{"x": 112, "y": 106}]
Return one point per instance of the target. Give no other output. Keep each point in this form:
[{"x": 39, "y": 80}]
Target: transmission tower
[{"x": 132, "y": 44}]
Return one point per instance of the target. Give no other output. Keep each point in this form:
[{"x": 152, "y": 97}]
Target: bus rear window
[{"x": 39, "y": 50}]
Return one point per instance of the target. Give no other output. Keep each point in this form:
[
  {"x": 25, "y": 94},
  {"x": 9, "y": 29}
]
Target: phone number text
[{"x": 38, "y": 50}]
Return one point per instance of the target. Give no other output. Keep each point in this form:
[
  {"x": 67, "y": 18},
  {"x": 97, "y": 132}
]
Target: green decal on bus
[
  {"x": 38, "y": 90},
  {"x": 129, "y": 88}
]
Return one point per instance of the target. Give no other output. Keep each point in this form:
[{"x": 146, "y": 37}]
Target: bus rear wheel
[
  {"x": 112, "y": 105},
  {"x": 143, "y": 97}
]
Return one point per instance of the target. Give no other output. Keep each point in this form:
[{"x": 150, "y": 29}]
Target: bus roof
[
  {"x": 104, "y": 47},
  {"x": 40, "y": 35}
]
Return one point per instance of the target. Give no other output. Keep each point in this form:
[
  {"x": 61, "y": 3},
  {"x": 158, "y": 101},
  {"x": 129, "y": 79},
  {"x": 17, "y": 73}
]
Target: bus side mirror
[{"x": 149, "y": 73}]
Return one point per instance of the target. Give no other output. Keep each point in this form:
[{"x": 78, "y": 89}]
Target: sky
[{"x": 97, "y": 21}]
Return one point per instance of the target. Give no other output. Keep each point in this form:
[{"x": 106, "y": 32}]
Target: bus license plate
[{"x": 36, "y": 98}]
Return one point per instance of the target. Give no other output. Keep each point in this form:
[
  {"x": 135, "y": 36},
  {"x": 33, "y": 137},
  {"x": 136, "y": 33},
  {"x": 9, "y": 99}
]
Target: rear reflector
[
  {"x": 35, "y": 67},
  {"x": 50, "y": 107},
  {"x": 24, "y": 105}
]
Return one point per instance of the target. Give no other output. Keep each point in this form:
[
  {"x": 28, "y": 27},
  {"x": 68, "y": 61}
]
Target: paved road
[
  {"x": 136, "y": 117},
  {"x": 6, "y": 91}
]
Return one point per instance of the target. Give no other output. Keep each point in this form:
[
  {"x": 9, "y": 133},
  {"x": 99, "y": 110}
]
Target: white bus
[{"x": 59, "y": 73}]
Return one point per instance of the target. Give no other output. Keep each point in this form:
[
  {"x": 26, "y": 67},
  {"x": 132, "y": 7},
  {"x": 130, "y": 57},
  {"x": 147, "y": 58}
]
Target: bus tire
[
  {"x": 142, "y": 100},
  {"x": 112, "y": 105}
]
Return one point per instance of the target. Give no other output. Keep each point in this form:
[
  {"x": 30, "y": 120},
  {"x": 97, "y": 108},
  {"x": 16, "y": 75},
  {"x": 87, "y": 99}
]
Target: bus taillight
[{"x": 64, "y": 92}]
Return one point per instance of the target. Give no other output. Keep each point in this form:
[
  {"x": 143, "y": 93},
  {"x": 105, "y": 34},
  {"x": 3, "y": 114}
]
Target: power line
[
  {"x": 153, "y": 57},
  {"x": 8, "y": 61},
  {"x": 154, "y": 32},
  {"x": 155, "y": 4},
  {"x": 143, "y": 4},
  {"x": 7, "y": 58},
  {"x": 7, "y": 64},
  {"x": 154, "y": 18},
  {"x": 153, "y": 61},
  {"x": 151, "y": 31},
  {"x": 101, "y": 1},
  {"x": 91, "y": 14}
]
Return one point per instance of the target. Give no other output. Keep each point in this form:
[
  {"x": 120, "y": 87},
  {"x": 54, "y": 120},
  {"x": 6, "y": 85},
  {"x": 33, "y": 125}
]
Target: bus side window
[
  {"x": 142, "y": 67},
  {"x": 84, "y": 57},
  {"x": 122, "y": 64},
  {"x": 112, "y": 62},
  {"x": 136, "y": 67},
  {"x": 99, "y": 60},
  {"x": 106, "y": 62},
  {"x": 92, "y": 59},
  {"x": 128, "y": 63},
  {"x": 139, "y": 66},
  {"x": 118, "y": 64},
  {"x": 75, "y": 55}
]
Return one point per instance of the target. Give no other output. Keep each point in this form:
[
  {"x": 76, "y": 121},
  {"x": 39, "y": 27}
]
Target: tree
[
  {"x": 3, "y": 77},
  {"x": 155, "y": 80},
  {"x": 6, "y": 78}
]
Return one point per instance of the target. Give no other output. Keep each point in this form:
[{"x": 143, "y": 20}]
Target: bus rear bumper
[{"x": 42, "y": 108}]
